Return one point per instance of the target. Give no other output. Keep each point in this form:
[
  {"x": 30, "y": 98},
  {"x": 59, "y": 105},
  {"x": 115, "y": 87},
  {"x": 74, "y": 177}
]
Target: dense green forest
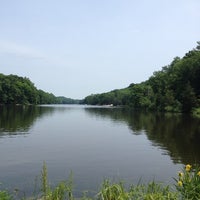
[
  {"x": 175, "y": 88},
  {"x": 19, "y": 90}
]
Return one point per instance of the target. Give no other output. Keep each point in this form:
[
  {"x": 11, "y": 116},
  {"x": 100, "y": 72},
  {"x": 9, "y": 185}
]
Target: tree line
[
  {"x": 175, "y": 88},
  {"x": 20, "y": 90}
]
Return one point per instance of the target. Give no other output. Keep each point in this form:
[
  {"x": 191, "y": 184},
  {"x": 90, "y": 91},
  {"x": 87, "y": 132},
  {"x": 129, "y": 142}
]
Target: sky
[{"x": 75, "y": 48}]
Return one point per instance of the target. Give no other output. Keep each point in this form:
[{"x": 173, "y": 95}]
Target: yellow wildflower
[
  {"x": 180, "y": 183},
  {"x": 188, "y": 168},
  {"x": 180, "y": 174},
  {"x": 198, "y": 173}
]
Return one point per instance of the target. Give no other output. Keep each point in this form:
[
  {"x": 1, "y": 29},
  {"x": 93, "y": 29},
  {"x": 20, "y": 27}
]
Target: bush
[
  {"x": 4, "y": 195},
  {"x": 188, "y": 182}
]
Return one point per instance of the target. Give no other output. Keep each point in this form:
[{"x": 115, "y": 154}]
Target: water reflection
[
  {"x": 15, "y": 120},
  {"x": 18, "y": 119},
  {"x": 94, "y": 143},
  {"x": 178, "y": 135}
]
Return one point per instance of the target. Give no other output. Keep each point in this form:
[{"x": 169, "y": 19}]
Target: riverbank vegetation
[
  {"x": 175, "y": 88},
  {"x": 20, "y": 90},
  {"x": 186, "y": 187}
]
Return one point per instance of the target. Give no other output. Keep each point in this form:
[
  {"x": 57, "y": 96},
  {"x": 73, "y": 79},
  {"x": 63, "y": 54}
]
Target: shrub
[
  {"x": 4, "y": 195},
  {"x": 188, "y": 182}
]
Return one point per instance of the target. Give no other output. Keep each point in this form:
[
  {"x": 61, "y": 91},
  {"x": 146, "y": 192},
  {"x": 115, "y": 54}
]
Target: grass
[
  {"x": 186, "y": 187},
  {"x": 61, "y": 192},
  {"x": 150, "y": 191}
]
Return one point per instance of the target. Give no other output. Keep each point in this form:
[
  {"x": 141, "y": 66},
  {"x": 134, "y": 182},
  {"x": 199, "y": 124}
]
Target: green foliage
[
  {"x": 60, "y": 192},
  {"x": 44, "y": 180},
  {"x": 188, "y": 183},
  {"x": 4, "y": 195},
  {"x": 19, "y": 90},
  {"x": 187, "y": 187},
  {"x": 198, "y": 46},
  {"x": 113, "y": 192},
  {"x": 108, "y": 191},
  {"x": 151, "y": 191},
  {"x": 46, "y": 98},
  {"x": 64, "y": 100},
  {"x": 141, "y": 96},
  {"x": 175, "y": 88},
  {"x": 196, "y": 112}
]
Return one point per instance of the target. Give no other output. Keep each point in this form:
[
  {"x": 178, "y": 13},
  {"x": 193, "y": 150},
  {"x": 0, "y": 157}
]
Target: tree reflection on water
[{"x": 177, "y": 134}]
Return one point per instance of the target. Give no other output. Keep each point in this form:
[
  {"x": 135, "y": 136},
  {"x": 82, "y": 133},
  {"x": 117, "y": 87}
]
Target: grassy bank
[{"x": 186, "y": 187}]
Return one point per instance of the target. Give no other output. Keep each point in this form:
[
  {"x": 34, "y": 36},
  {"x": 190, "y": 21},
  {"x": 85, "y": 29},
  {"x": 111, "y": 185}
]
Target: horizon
[{"x": 75, "y": 49}]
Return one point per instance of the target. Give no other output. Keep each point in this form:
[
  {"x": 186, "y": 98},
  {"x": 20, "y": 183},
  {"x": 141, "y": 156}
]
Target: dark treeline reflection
[
  {"x": 178, "y": 135},
  {"x": 16, "y": 120}
]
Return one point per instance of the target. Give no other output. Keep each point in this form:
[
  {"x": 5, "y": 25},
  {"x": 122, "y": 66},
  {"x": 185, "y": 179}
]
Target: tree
[
  {"x": 188, "y": 98},
  {"x": 175, "y": 88},
  {"x": 198, "y": 46}
]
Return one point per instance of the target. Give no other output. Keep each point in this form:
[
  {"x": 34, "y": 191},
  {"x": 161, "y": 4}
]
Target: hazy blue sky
[{"x": 79, "y": 47}]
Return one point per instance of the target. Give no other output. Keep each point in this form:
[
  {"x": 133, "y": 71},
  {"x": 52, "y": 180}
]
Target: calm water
[{"x": 94, "y": 143}]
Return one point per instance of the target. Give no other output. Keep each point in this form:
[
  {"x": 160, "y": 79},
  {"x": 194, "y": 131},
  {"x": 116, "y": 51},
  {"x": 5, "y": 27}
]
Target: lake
[{"x": 94, "y": 143}]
